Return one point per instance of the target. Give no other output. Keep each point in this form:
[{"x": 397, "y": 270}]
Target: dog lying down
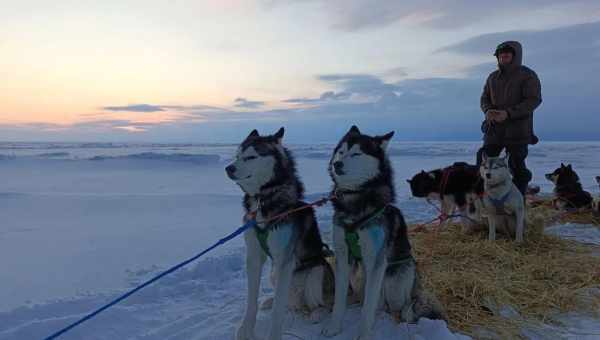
[{"x": 569, "y": 193}]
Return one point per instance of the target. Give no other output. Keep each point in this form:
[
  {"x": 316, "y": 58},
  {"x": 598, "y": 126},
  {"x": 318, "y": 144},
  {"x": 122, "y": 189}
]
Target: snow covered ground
[{"x": 83, "y": 222}]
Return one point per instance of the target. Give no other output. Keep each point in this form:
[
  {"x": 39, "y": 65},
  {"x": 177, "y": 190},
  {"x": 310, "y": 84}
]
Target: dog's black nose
[
  {"x": 488, "y": 176},
  {"x": 338, "y": 166},
  {"x": 230, "y": 169}
]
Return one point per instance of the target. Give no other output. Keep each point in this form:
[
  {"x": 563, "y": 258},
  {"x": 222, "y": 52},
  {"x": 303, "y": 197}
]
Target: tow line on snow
[
  {"x": 250, "y": 224},
  {"x": 441, "y": 218}
]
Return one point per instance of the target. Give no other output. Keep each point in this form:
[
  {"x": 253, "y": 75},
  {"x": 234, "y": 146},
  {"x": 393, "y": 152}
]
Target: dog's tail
[
  {"x": 426, "y": 304},
  {"x": 319, "y": 290}
]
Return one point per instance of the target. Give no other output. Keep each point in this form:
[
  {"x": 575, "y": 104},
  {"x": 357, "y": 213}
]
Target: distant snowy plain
[{"x": 83, "y": 222}]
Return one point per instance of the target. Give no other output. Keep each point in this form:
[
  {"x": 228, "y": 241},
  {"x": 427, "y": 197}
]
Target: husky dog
[
  {"x": 568, "y": 190},
  {"x": 458, "y": 185},
  {"x": 503, "y": 202},
  {"x": 266, "y": 172},
  {"x": 370, "y": 236}
]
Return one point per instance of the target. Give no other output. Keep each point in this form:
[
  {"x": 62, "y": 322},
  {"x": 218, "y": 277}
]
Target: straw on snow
[{"x": 475, "y": 279}]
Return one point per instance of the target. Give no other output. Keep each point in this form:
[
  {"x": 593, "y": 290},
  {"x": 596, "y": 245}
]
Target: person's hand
[
  {"x": 490, "y": 115},
  {"x": 500, "y": 116}
]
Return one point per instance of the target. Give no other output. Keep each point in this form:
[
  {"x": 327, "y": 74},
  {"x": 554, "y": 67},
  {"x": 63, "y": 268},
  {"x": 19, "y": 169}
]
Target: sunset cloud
[{"x": 134, "y": 108}]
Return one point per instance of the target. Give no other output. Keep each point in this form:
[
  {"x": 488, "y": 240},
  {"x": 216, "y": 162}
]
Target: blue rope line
[{"x": 240, "y": 230}]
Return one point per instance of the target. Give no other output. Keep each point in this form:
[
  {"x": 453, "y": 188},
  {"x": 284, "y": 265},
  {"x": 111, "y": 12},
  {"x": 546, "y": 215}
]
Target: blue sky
[{"x": 210, "y": 71}]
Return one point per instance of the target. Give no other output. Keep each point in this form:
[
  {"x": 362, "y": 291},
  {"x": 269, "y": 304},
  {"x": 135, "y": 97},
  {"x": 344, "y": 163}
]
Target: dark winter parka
[{"x": 516, "y": 89}]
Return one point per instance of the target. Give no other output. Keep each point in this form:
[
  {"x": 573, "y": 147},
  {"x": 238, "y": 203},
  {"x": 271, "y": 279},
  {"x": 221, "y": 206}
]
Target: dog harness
[
  {"x": 499, "y": 203},
  {"x": 262, "y": 235},
  {"x": 352, "y": 238}
]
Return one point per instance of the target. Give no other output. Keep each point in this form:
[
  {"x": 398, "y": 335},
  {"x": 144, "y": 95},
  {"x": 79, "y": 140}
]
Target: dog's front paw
[
  {"x": 332, "y": 329},
  {"x": 364, "y": 337},
  {"x": 318, "y": 315},
  {"x": 245, "y": 333}
]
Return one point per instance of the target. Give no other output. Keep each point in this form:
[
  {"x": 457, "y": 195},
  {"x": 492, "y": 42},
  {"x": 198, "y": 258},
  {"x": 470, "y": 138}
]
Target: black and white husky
[
  {"x": 569, "y": 193},
  {"x": 456, "y": 186},
  {"x": 266, "y": 172},
  {"x": 370, "y": 236}
]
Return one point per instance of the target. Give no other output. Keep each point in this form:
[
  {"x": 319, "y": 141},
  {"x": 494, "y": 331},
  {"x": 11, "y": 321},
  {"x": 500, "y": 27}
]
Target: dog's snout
[
  {"x": 338, "y": 165},
  {"x": 488, "y": 175},
  {"x": 230, "y": 169}
]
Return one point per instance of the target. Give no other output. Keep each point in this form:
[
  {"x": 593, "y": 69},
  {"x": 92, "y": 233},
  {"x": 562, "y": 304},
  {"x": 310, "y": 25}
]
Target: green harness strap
[
  {"x": 352, "y": 238},
  {"x": 354, "y": 251},
  {"x": 262, "y": 235}
]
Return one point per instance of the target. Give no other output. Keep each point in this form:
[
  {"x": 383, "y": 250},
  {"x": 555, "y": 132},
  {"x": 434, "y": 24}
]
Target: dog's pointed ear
[
  {"x": 570, "y": 167},
  {"x": 484, "y": 157},
  {"x": 562, "y": 165},
  {"x": 384, "y": 140},
  {"x": 354, "y": 130},
  {"x": 279, "y": 135},
  {"x": 253, "y": 134}
]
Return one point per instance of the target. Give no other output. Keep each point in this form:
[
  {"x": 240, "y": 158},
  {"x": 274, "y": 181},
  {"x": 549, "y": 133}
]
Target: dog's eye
[
  {"x": 355, "y": 154},
  {"x": 249, "y": 158}
]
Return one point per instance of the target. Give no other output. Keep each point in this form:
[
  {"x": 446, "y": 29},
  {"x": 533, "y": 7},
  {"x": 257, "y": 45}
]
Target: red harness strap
[
  {"x": 444, "y": 183},
  {"x": 317, "y": 203}
]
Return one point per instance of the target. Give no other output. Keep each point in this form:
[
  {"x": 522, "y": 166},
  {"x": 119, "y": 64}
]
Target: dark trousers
[{"x": 516, "y": 162}]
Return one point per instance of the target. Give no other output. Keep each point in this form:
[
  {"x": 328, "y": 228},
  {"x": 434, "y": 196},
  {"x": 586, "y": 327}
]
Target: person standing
[{"x": 509, "y": 97}]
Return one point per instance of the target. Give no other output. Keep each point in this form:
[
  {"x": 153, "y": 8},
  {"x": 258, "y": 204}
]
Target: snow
[
  {"x": 81, "y": 223},
  {"x": 588, "y": 234}
]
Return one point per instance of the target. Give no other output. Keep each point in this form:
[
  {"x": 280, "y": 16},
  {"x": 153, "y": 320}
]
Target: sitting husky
[
  {"x": 568, "y": 190},
  {"x": 458, "y": 185},
  {"x": 503, "y": 202},
  {"x": 266, "y": 172},
  {"x": 370, "y": 235}
]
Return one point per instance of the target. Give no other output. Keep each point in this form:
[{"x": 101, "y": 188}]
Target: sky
[{"x": 210, "y": 71}]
